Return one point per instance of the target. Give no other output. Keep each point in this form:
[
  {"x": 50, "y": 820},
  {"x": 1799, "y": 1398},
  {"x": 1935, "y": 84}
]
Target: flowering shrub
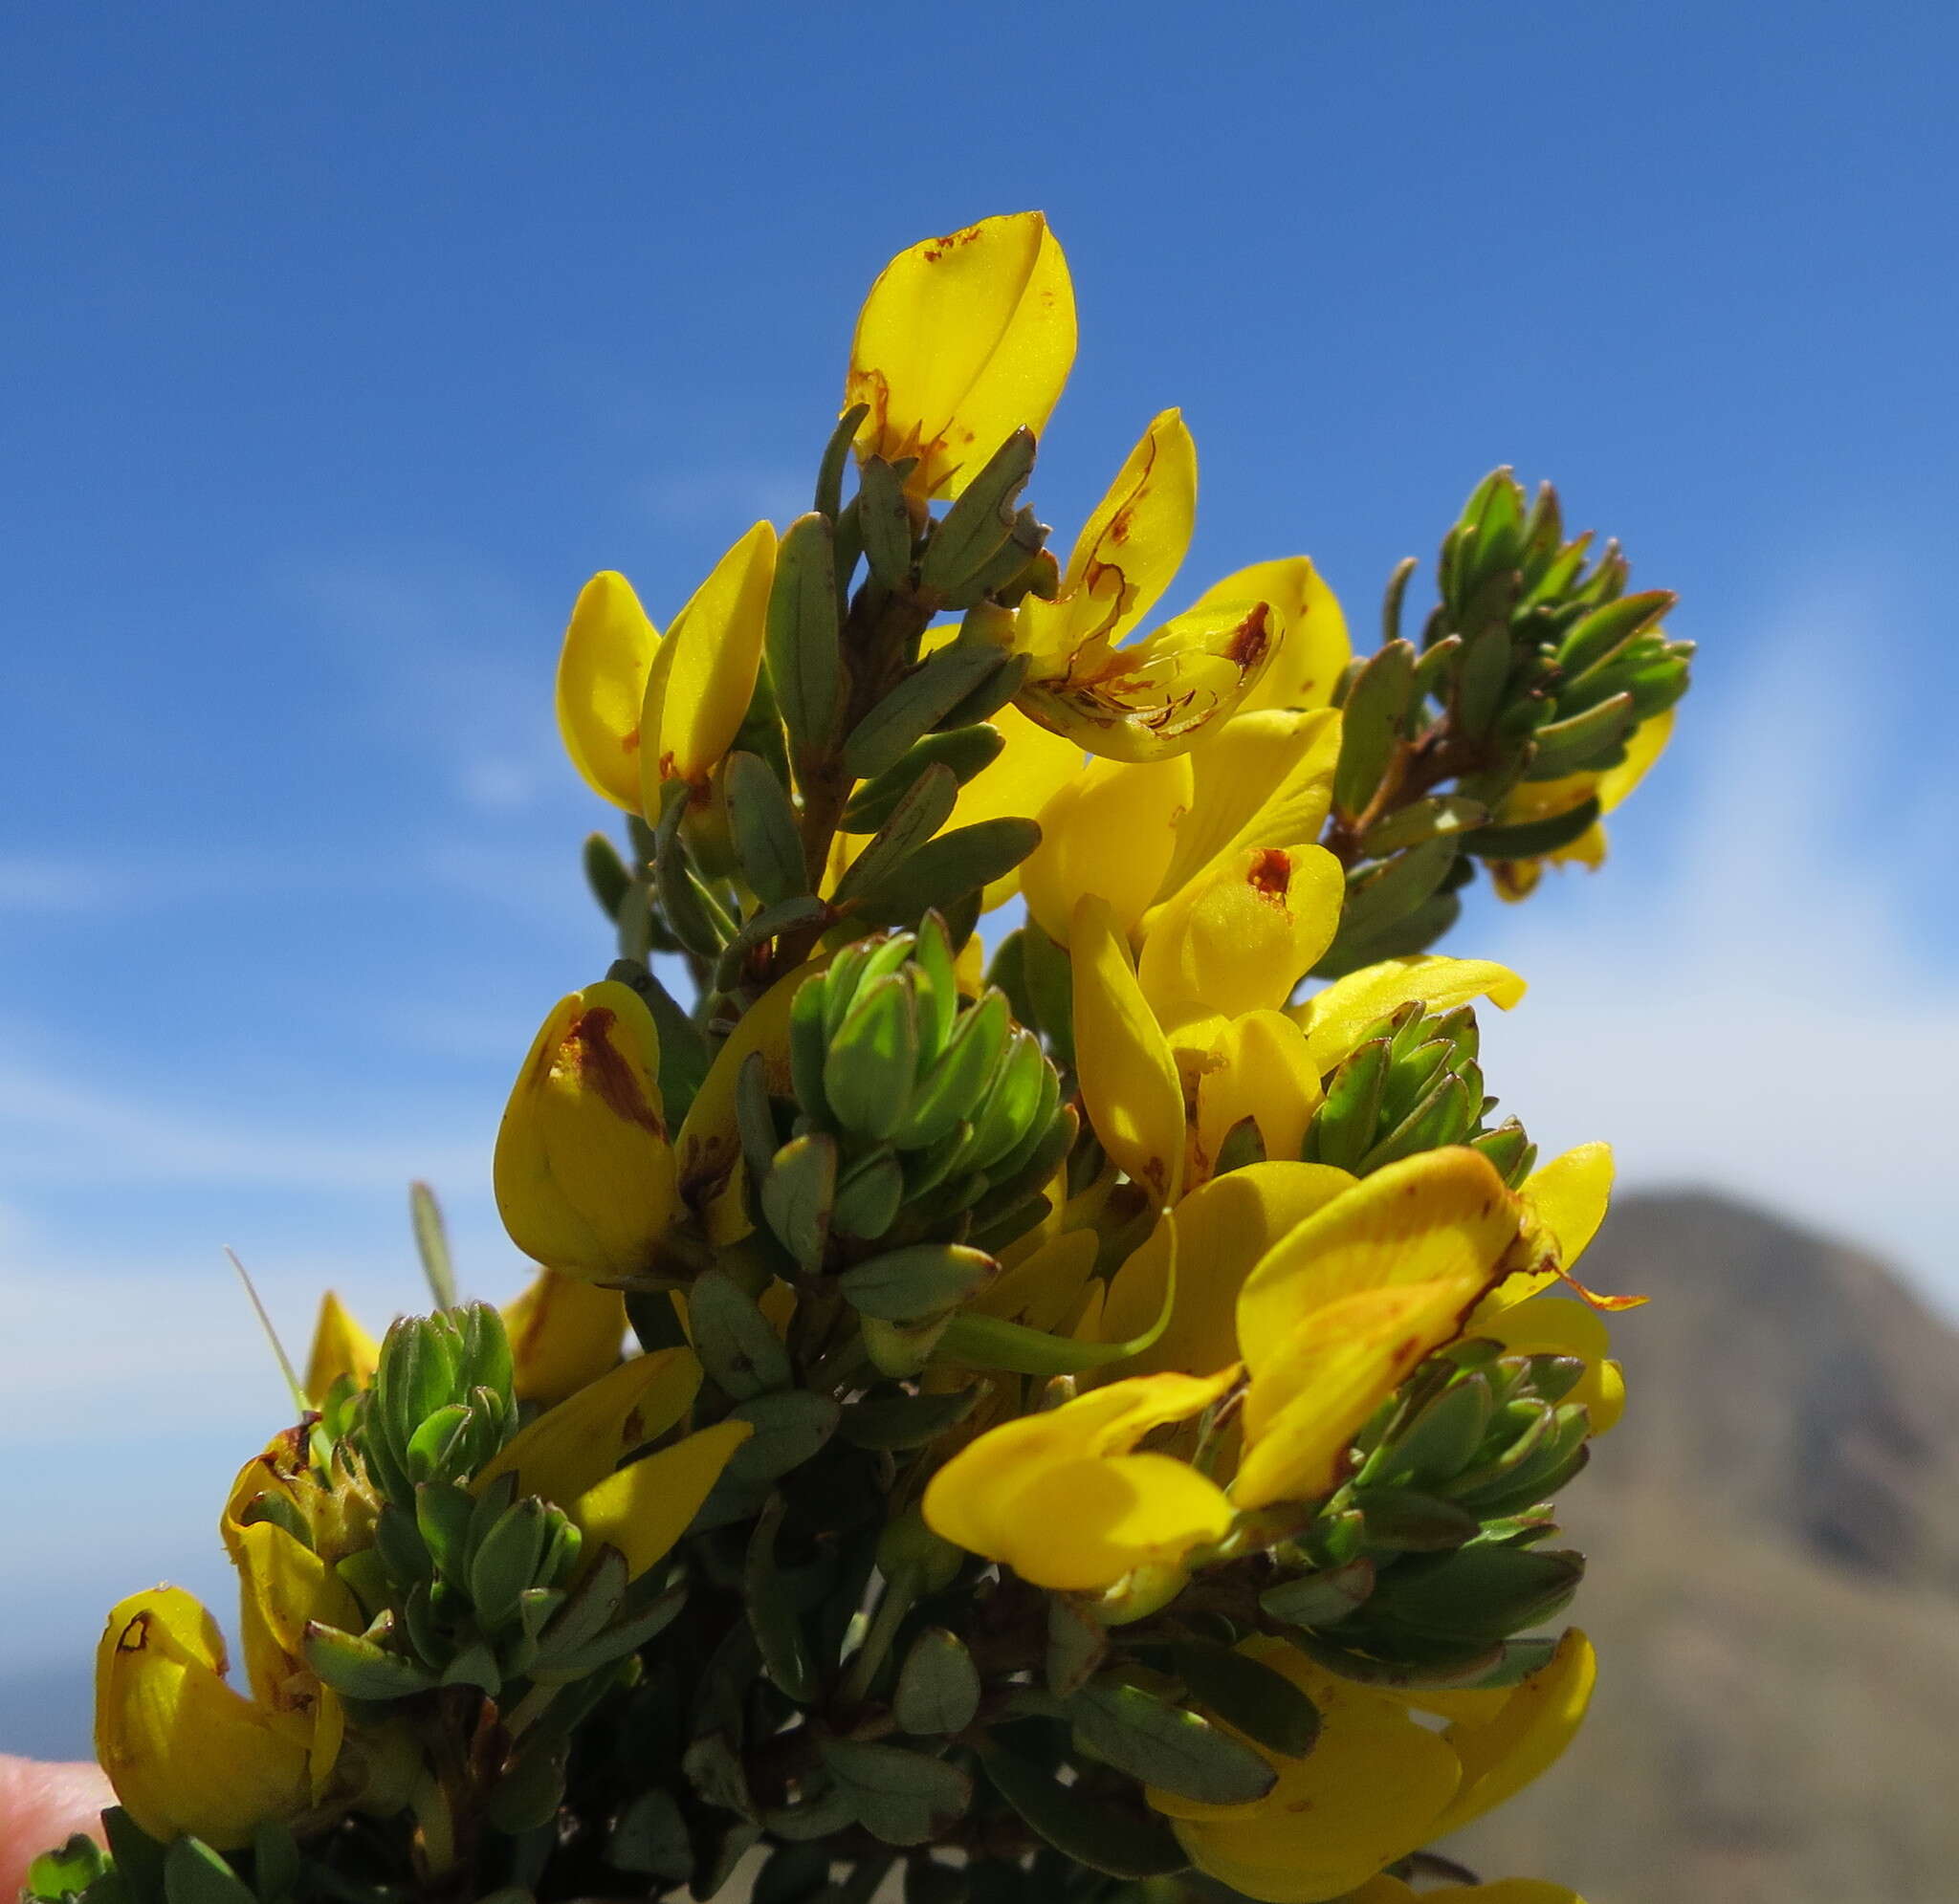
[{"x": 1078, "y": 1421}]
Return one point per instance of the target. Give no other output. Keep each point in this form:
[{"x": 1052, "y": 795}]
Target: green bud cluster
[
  {"x": 1427, "y": 1560},
  {"x": 1413, "y": 1084},
  {"x": 1532, "y": 666},
  {"x": 916, "y": 1115},
  {"x": 464, "y": 1584}
]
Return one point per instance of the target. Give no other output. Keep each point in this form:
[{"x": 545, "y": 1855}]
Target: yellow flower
[
  {"x": 340, "y": 1346},
  {"x": 563, "y": 1333},
  {"x": 963, "y": 341},
  {"x": 1319, "y": 1294},
  {"x": 1368, "y": 1793},
  {"x": 1378, "y": 1784},
  {"x": 1546, "y": 800},
  {"x": 187, "y": 1753},
  {"x": 1336, "y": 1017},
  {"x": 1152, "y": 698},
  {"x": 634, "y": 710},
  {"x": 569, "y": 1455},
  {"x": 586, "y": 1177}
]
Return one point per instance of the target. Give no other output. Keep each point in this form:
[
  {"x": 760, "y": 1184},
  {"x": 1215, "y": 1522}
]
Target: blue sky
[{"x": 341, "y": 349}]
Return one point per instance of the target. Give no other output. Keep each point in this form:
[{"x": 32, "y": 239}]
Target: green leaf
[
  {"x": 1133, "y": 1845},
  {"x": 804, "y": 664},
  {"x": 732, "y": 1338},
  {"x": 788, "y": 1429},
  {"x": 909, "y": 1284},
  {"x": 953, "y": 1089},
  {"x": 431, "y": 1244},
  {"x": 774, "y": 1613},
  {"x": 1077, "y": 1645},
  {"x": 945, "y": 870},
  {"x": 897, "y": 1422},
  {"x": 606, "y": 875},
  {"x": 900, "y": 1797},
  {"x": 1320, "y": 1599},
  {"x": 869, "y": 1196},
  {"x": 970, "y": 534},
  {"x": 1371, "y": 714},
  {"x": 873, "y": 1065},
  {"x": 652, "y": 1837},
  {"x": 797, "y": 1196},
  {"x": 1163, "y": 1744},
  {"x": 1532, "y": 837},
  {"x": 886, "y": 521},
  {"x": 761, "y": 824},
  {"x": 193, "y": 1873},
  {"x": 963, "y": 751},
  {"x": 1244, "y": 1692},
  {"x": 506, "y": 1562},
  {"x": 1421, "y": 819},
  {"x": 67, "y": 1871},
  {"x": 915, "y": 816},
  {"x": 920, "y": 703},
  {"x": 358, "y": 1669},
  {"x": 938, "y": 1685}
]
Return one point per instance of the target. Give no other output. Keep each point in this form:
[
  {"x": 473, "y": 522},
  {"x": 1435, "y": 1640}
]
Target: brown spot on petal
[
  {"x": 587, "y": 1047},
  {"x": 1252, "y": 641},
  {"x": 1272, "y": 874},
  {"x": 630, "y": 742}
]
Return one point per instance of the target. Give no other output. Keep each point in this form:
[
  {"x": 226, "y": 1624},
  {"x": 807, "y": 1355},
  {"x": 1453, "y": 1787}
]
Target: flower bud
[{"x": 586, "y": 1177}]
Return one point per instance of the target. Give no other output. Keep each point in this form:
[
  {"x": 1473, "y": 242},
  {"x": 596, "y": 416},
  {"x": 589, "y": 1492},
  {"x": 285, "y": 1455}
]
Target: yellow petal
[
  {"x": 1154, "y": 698},
  {"x": 982, "y": 1500},
  {"x": 563, "y": 1333},
  {"x": 290, "y": 1585},
  {"x": 1317, "y": 1390},
  {"x": 1315, "y": 647},
  {"x": 340, "y": 1346},
  {"x": 698, "y": 698},
  {"x": 1366, "y": 1795},
  {"x": 1336, "y": 1018},
  {"x": 570, "y": 1448},
  {"x": 1046, "y": 1289},
  {"x": 1260, "y": 780},
  {"x": 961, "y": 341},
  {"x": 585, "y": 1176},
  {"x": 1109, "y": 831},
  {"x": 601, "y": 683},
  {"x": 1241, "y": 936},
  {"x": 1257, "y": 1067},
  {"x": 642, "y": 1509},
  {"x": 709, "y": 1140},
  {"x": 1648, "y": 742},
  {"x": 1129, "y": 1080},
  {"x": 1085, "y": 1525},
  {"x": 1443, "y": 1216},
  {"x": 1224, "y": 1226},
  {"x": 1569, "y": 1197},
  {"x": 1523, "y": 1735},
  {"x": 186, "y": 1754},
  {"x": 1128, "y": 550}
]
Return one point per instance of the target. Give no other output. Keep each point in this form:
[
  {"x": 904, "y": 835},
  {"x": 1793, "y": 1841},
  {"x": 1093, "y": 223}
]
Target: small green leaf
[
  {"x": 901, "y": 1421},
  {"x": 1163, "y": 1744},
  {"x": 796, "y": 1195},
  {"x": 358, "y": 1669},
  {"x": 788, "y": 1429},
  {"x": 903, "y": 1798},
  {"x": 734, "y": 1340},
  {"x": 652, "y": 1837},
  {"x": 1244, "y": 1692},
  {"x": 1134, "y": 1844},
  {"x": 911, "y": 1284},
  {"x": 193, "y": 1873},
  {"x": 938, "y": 1686}
]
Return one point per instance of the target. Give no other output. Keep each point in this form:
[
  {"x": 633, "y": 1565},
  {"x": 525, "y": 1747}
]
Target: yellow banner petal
[
  {"x": 1109, "y": 831},
  {"x": 1226, "y": 1226},
  {"x": 1238, "y": 938},
  {"x": 570, "y": 1448},
  {"x": 1260, "y": 780},
  {"x": 1315, "y": 647},
  {"x": 564, "y": 1332},
  {"x": 1312, "y": 1395},
  {"x": 642, "y": 1509},
  {"x": 340, "y": 1346},
  {"x": 961, "y": 341},
  {"x": 1129, "y": 1081},
  {"x": 1335, "y": 1018},
  {"x": 1258, "y": 1067},
  {"x": 696, "y": 700},
  {"x": 1443, "y": 1216},
  {"x": 601, "y": 683},
  {"x": 584, "y": 1174}
]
